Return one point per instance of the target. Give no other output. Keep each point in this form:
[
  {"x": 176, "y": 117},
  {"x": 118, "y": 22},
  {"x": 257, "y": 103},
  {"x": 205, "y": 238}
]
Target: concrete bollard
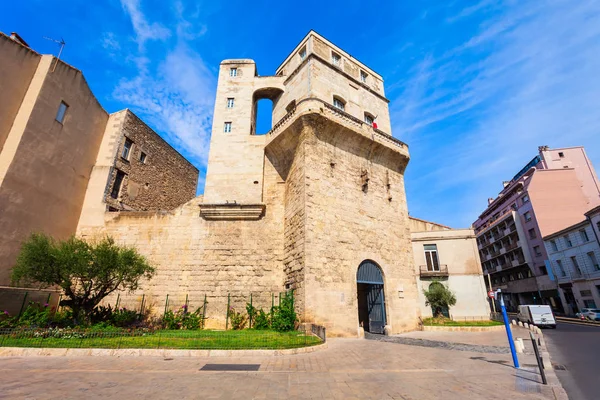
[
  {"x": 513, "y": 322},
  {"x": 361, "y": 332},
  {"x": 387, "y": 330},
  {"x": 520, "y": 323},
  {"x": 519, "y": 345},
  {"x": 538, "y": 330},
  {"x": 525, "y": 325}
]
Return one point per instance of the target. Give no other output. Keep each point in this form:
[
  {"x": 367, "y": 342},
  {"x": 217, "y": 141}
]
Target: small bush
[
  {"x": 37, "y": 315},
  {"x": 238, "y": 319},
  {"x": 262, "y": 320},
  {"x": 182, "y": 319},
  {"x": 284, "y": 315}
]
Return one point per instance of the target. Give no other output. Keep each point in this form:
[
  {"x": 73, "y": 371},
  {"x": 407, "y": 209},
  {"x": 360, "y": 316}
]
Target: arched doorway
[{"x": 371, "y": 301}]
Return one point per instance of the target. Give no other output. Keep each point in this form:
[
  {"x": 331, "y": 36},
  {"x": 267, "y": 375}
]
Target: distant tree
[
  {"x": 439, "y": 297},
  {"x": 87, "y": 272}
]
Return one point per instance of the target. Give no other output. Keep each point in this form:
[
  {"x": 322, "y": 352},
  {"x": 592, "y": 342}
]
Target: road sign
[{"x": 491, "y": 294}]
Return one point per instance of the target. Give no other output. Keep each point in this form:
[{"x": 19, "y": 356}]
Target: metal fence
[{"x": 159, "y": 339}]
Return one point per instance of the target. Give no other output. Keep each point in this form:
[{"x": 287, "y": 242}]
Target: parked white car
[
  {"x": 592, "y": 314},
  {"x": 582, "y": 314},
  {"x": 537, "y": 315}
]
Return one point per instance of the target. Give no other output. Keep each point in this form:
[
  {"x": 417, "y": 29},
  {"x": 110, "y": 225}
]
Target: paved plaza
[{"x": 346, "y": 369}]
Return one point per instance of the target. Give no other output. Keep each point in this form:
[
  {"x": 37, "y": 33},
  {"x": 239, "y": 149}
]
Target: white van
[{"x": 537, "y": 315}]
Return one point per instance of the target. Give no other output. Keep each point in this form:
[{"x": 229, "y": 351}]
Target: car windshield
[{"x": 595, "y": 310}]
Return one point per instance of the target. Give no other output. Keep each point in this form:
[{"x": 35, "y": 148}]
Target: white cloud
[
  {"x": 143, "y": 29},
  {"x": 528, "y": 76},
  {"x": 173, "y": 90}
]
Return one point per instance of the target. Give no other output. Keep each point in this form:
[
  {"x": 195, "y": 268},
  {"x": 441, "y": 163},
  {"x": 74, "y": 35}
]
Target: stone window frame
[
  {"x": 339, "y": 103},
  {"x": 127, "y": 149},
  {"x": 233, "y": 72},
  {"x": 554, "y": 245},
  {"x": 118, "y": 183},
  {"x": 336, "y": 59},
  {"x": 61, "y": 113},
  {"x": 230, "y": 102},
  {"x": 368, "y": 116},
  {"x": 363, "y": 76},
  {"x": 143, "y": 157},
  {"x": 568, "y": 241},
  {"x": 584, "y": 235},
  {"x": 227, "y": 127},
  {"x": 302, "y": 53}
]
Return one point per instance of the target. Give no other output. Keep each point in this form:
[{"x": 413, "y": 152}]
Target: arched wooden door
[{"x": 371, "y": 299}]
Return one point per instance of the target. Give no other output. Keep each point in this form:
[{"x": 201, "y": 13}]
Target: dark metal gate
[{"x": 371, "y": 300}]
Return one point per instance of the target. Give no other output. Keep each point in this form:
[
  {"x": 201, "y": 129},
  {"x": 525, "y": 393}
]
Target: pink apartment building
[{"x": 547, "y": 195}]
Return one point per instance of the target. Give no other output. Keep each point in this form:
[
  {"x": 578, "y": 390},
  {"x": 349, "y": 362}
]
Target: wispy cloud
[
  {"x": 526, "y": 75},
  {"x": 173, "y": 89}
]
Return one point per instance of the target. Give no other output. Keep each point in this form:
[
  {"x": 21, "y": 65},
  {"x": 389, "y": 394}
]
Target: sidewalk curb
[
  {"x": 166, "y": 353},
  {"x": 557, "y": 388}
]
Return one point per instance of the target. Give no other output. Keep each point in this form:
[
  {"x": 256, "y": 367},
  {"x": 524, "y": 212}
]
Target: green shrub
[
  {"x": 284, "y": 315},
  {"x": 238, "y": 319},
  {"x": 182, "y": 319},
  {"x": 262, "y": 320},
  {"x": 438, "y": 296},
  {"x": 37, "y": 315}
]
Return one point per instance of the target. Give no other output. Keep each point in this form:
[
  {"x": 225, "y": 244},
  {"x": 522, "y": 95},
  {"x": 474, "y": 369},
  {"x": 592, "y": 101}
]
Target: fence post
[
  {"x": 272, "y": 305},
  {"x": 48, "y": 299},
  {"x": 204, "y": 311},
  {"x": 117, "y": 303},
  {"x": 250, "y": 325},
  {"x": 166, "y": 305},
  {"x": 142, "y": 306},
  {"x": 22, "y": 305},
  {"x": 186, "y": 304},
  {"x": 227, "y": 317}
]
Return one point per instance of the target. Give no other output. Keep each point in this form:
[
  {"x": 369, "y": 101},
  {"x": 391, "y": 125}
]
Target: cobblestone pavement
[{"x": 347, "y": 369}]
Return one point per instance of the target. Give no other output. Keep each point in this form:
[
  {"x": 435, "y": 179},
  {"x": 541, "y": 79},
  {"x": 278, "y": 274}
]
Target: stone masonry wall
[
  {"x": 164, "y": 181},
  {"x": 347, "y": 223},
  {"x": 195, "y": 257}
]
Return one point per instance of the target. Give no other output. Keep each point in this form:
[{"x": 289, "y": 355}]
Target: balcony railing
[{"x": 431, "y": 272}]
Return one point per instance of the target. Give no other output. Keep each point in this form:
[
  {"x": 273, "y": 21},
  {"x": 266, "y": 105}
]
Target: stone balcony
[{"x": 428, "y": 272}]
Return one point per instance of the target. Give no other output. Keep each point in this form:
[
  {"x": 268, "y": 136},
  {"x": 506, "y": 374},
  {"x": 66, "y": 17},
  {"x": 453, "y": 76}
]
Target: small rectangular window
[
  {"x": 537, "y": 251},
  {"x": 117, "y": 184},
  {"x": 143, "y": 157},
  {"x": 363, "y": 76},
  {"x": 368, "y": 119},
  {"x": 553, "y": 245},
  {"x": 576, "y": 268},
  {"x": 233, "y": 72},
  {"x": 589, "y": 303},
  {"x": 532, "y": 234},
  {"x": 336, "y": 59},
  {"x": 527, "y": 216},
  {"x": 585, "y": 293},
  {"x": 126, "y": 149},
  {"x": 568, "y": 241},
  {"x": 561, "y": 154},
  {"x": 584, "y": 235},
  {"x": 593, "y": 260},
  {"x": 230, "y": 102},
  {"x": 302, "y": 53},
  {"x": 431, "y": 257},
  {"x": 561, "y": 269},
  {"x": 227, "y": 127},
  {"x": 525, "y": 199},
  {"x": 337, "y": 103},
  {"x": 62, "y": 110},
  {"x": 543, "y": 270}
]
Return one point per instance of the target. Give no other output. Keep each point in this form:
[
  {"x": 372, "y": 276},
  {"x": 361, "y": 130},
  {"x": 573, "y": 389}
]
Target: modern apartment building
[
  {"x": 574, "y": 258},
  {"x": 55, "y": 138},
  {"x": 550, "y": 193}
]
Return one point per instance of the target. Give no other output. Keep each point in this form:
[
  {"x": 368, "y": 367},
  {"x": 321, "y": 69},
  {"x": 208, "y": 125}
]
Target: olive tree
[
  {"x": 87, "y": 272},
  {"x": 438, "y": 296}
]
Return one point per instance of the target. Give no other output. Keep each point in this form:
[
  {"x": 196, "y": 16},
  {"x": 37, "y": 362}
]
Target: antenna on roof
[{"x": 62, "y": 46}]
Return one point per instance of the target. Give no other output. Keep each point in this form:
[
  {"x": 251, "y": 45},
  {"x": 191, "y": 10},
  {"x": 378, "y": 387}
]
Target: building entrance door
[{"x": 371, "y": 297}]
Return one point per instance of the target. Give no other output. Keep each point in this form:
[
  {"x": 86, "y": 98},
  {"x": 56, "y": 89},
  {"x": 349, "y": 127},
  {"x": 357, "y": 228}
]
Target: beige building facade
[
  {"x": 315, "y": 205},
  {"x": 451, "y": 257},
  {"x": 51, "y": 131}
]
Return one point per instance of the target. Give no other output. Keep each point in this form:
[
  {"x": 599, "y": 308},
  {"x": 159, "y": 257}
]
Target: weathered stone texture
[{"x": 164, "y": 181}]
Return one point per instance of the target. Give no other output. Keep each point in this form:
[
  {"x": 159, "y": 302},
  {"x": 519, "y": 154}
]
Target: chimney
[
  {"x": 490, "y": 200},
  {"x": 15, "y": 36}
]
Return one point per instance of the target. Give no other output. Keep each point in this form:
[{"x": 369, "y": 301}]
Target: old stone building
[
  {"x": 316, "y": 205},
  {"x": 57, "y": 145}
]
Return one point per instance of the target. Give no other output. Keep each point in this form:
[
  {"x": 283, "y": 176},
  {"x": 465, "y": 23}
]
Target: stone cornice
[{"x": 232, "y": 211}]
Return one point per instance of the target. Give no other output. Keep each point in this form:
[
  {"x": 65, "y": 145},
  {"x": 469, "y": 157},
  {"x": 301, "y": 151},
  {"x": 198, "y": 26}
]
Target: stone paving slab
[{"x": 347, "y": 369}]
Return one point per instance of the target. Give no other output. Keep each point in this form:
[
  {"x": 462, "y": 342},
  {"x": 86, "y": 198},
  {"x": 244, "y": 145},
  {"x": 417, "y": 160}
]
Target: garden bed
[
  {"x": 448, "y": 322},
  {"x": 246, "y": 339}
]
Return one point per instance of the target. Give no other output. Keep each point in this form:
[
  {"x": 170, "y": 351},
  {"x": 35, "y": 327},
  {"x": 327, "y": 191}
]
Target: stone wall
[{"x": 164, "y": 181}]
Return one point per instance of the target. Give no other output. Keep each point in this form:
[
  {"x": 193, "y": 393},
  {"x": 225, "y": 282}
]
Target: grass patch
[
  {"x": 164, "y": 339},
  {"x": 449, "y": 322}
]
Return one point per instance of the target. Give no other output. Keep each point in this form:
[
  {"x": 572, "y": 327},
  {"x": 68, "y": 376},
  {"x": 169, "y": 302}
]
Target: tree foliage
[
  {"x": 439, "y": 297},
  {"x": 87, "y": 272}
]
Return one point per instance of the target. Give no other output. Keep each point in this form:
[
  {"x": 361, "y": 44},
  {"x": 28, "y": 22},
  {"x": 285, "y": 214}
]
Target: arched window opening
[
  {"x": 369, "y": 119},
  {"x": 339, "y": 103},
  {"x": 264, "y": 115}
]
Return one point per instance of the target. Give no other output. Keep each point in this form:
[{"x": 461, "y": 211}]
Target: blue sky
[{"x": 475, "y": 86}]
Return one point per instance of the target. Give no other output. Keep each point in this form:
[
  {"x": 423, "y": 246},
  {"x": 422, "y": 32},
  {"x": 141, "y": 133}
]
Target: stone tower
[
  {"x": 316, "y": 205},
  {"x": 335, "y": 180}
]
